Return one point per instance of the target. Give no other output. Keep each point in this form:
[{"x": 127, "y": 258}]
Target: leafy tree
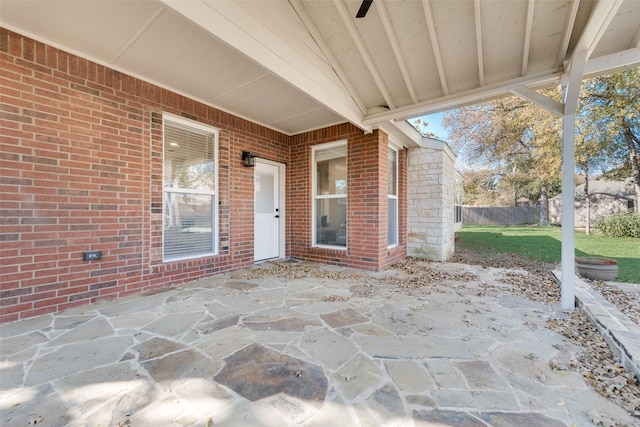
[
  {"x": 618, "y": 174},
  {"x": 610, "y": 115},
  {"x": 522, "y": 142},
  {"x": 421, "y": 126},
  {"x": 517, "y": 140},
  {"x": 479, "y": 188}
]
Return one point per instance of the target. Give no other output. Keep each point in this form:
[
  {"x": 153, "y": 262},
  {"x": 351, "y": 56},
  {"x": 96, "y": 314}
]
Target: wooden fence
[{"x": 516, "y": 215}]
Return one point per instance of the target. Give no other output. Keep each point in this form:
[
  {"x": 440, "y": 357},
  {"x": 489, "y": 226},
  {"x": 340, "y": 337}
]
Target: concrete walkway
[{"x": 295, "y": 344}]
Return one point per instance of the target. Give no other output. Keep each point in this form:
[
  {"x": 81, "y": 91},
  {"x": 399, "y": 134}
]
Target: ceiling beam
[
  {"x": 537, "y": 98},
  {"x": 527, "y": 38},
  {"x": 573, "y": 81},
  {"x": 569, "y": 21},
  {"x": 479, "y": 50},
  {"x": 395, "y": 47},
  {"x": 310, "y": 25},
  {"x": 472, "y": 96},
  {"x": 364, "y": 53},
  {"x": 435, "y": 45},
  {"x": 230, "y": 23},
  {"x": 629, "y": 58},
  {"x": 599, "y": 20},
  {"x": 635, "y": 42}
]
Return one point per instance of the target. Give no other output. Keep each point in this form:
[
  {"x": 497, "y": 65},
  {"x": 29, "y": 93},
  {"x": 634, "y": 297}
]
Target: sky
[{"x": 435, "y": 125}]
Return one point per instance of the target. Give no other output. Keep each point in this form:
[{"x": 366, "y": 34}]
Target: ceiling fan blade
[{"x": 364, "y": 7}]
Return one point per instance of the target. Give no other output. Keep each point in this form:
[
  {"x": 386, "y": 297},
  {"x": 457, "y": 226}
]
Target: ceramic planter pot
[{"x": 597, "y": 268}]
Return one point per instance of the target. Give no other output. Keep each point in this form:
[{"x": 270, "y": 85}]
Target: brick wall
[
  {"x": 366, "y": 199},
  {"x": 82, "y": 169},
  {"x": 81, "y": 155}
]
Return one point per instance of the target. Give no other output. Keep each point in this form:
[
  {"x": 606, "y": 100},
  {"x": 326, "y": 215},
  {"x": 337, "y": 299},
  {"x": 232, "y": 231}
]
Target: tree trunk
[
  {"x": 587, "y": 230},
  {"x": 544, "y": 207},
  {"x": 635, "y": 167},
  {"x": 588, "y": 199}
]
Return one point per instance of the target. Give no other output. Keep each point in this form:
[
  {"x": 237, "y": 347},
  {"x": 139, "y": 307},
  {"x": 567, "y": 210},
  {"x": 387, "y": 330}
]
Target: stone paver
[
  {"x": 343, "y": 347},
  {"x": 620, "y": 332}
]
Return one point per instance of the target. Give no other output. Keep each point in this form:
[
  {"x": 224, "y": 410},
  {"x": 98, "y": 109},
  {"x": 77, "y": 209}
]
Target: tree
[
  {"x": 479, "y": 188},
  {"x": 517, "y": 140},
  {"x": 610, "y": 114},
  {"x": 521, "y": 142},
  {"x": 421, "y": 126}
]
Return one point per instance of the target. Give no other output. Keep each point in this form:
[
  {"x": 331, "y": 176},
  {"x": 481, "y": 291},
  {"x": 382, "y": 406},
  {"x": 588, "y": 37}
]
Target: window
[
  {"x": 189, "y": 189},
  {"x": 392, "y": 197},
  {"x": 457, "y": 201},
  {"x": 330, "y": 195}
]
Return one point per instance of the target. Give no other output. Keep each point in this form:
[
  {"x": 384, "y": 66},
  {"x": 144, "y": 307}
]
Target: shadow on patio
[{"x": 290, "y": 343}]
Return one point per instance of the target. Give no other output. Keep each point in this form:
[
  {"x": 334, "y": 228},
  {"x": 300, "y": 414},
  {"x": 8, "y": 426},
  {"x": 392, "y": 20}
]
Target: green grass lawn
[{"x": 543, "y": 243}]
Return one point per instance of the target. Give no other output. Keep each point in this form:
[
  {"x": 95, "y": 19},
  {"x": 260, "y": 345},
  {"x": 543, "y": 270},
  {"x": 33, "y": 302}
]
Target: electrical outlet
[{"x": 91, "y": 255}]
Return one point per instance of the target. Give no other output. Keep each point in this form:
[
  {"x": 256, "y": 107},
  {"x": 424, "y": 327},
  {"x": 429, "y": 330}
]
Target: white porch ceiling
[{"x": 299, "y": 65}]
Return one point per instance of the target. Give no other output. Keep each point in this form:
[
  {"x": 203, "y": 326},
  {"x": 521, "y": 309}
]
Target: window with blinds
[{"x": 190, "y": 189}]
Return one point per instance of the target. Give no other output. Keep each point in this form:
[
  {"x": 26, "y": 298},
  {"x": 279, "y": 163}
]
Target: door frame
[{"x": 281, "y": 206}]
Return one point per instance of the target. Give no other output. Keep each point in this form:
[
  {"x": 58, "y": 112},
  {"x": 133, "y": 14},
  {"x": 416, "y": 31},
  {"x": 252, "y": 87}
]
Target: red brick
[
  {"x": 48, "y": 308},
  {"x": 90, "y": 177},
  {"x": 14, "y": 309}
]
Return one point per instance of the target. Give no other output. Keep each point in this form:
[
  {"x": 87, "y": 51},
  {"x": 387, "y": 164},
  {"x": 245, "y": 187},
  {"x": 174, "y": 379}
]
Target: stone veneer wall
[{"x": 431, "y": 182}]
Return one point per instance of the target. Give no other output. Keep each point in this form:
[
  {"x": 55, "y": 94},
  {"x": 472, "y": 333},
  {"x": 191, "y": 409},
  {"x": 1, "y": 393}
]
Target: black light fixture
[{"x": 248, "y": 159}]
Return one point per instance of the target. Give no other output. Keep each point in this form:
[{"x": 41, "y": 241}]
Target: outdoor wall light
[{"x": 248, "y": 159}]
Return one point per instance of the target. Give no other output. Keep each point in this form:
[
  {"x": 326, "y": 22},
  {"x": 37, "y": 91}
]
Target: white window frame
[
  {"x": 315, "y": 197},
  {"x": 457, "y": 200},
  {"x": 394, "y": 196},
  {"x": 199, "y": 128}
]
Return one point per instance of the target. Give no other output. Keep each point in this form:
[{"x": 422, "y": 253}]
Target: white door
[{"x": 267, "y": 212}]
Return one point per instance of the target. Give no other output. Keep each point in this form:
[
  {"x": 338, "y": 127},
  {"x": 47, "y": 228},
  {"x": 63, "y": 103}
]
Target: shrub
[{"x": 621, "y": 224}]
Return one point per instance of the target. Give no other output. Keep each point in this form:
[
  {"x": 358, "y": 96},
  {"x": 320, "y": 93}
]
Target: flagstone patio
[{"x": 298, "y": 344}]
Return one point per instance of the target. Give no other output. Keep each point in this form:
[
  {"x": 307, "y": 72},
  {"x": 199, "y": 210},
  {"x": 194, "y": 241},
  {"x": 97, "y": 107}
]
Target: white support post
[
  {"x": 568, "y": 256},
  {"x": 568, "y": 112},
  {"x": 568, "y": 251}
]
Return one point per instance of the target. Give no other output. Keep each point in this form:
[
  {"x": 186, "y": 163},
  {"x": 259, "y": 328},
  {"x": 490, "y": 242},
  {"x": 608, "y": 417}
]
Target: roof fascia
[
  {"x": 402, "y": 133},
  {"x": 469, "y": 97}
]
